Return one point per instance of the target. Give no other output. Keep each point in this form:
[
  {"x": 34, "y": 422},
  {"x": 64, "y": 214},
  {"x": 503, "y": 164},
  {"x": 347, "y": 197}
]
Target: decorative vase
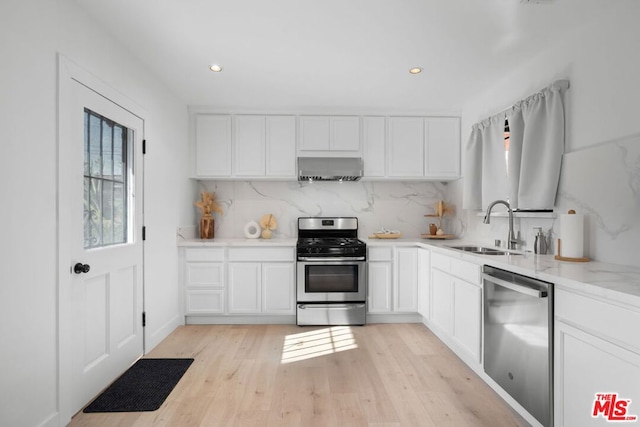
[
  {"x": 206, "y": 226},
  {"x": 433, "y": 229}
]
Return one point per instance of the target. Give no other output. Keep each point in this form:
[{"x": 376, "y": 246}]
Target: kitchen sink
[{"x": 481, "y": 250}]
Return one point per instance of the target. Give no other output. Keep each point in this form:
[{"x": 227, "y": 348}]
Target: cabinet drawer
[
  {"x": 205, "y": 301},
  {"x": 606, "y": 320},
  {"x": 200, "y": 254},
  {"x": 441, "y": 262},
  {"x": 465, "y": 270},
  {"x": 380, "y": 254},
  {"x": 205, "y": 274},
  {"x": 262, "y": 254}
]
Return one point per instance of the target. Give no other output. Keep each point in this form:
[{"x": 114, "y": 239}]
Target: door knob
[{"x": 81, "y": 268}]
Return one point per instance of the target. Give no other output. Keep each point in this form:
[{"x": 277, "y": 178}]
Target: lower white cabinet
[
  {"x": 204, "y": 280},
  {"x": 597, "y": 351},
  {"x": 379, "y": 279},
  {"x": 424, "y": 282},
  {"x": 456, "y": 304},
  {"x": 266, "y": 288},
  {"x": 406, "y": 280}
]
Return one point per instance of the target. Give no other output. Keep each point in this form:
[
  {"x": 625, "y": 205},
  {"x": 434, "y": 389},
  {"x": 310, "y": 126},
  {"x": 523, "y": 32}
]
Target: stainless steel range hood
[{"x": 329, "y": 168}]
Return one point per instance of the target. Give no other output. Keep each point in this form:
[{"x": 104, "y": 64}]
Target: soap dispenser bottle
[{"x": 540, "y": 244}]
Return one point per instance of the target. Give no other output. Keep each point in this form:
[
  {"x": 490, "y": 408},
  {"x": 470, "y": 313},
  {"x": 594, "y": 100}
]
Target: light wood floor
[{"x": 285, "y": 375}]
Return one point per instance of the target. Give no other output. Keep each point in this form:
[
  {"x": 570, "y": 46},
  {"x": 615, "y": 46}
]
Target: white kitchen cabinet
[
  {"x": 597, "y": 350},
  {"x": 441, "y": 299},
  {"x": 406, "y": 147},
  {"x": 264, "y": 146},
  {"x": 379, "y": 279},
  {"x": 249, "y": 146},
  {"x": 424, "y": 147},
  {"x": 467, "y": 316},
  {"x": 204, "y": 281},
  {"x": 278, "y": 288},
  {"x": 373, "y": 146},
  {"x": 424, "y": 282},
  {"x": 281, "y": 146},
  {"x": 327, "y": 134},
  {"x": 405, "y": 280},
  {"x": 261, "y": 280},
  {"x": 456, "y": 304},
  {"x": 442, "y": 152},
  {"x": 212, "y": 135}
]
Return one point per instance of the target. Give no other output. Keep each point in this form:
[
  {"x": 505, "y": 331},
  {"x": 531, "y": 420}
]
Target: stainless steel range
[{"x": 331, "y": 279}]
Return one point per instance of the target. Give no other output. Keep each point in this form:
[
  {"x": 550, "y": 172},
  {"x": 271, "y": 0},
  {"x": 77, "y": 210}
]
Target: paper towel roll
[
  {"x": 252, "y": 230},
  {"x": 572, "y": 235}
]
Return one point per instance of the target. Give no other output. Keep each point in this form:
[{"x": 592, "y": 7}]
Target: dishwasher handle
[{"x": 515, "y": 287}]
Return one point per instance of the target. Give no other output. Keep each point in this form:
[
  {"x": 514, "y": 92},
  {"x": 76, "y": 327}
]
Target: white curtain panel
[{"x": 536, "y": 146}]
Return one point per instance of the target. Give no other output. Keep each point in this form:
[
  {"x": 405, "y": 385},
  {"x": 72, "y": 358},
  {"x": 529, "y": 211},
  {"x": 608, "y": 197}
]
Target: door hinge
[
  {"x": 144, "y": 319},
  {"x": 144, "y": 233},
  {"x": 144, "y": 146}
]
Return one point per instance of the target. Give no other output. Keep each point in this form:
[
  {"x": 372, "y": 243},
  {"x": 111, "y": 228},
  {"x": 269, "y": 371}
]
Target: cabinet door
[
  {"x": 249, "y": 143},
  {"x": 373, "y": 146},
  {"x": 467, "y": 301},
  {"x": 244, "y": 287},
  {"x": 442, "y": 154},
  {"x": 379, "y": 287},
  {"x": 424, "y": 279},
  {"x": 315, "y": 134},
  {"x": 278, "y": 288},
  {"x": 585, "y": 366},
  {"x": 345, "y": 134},
  {"x": 406, "y": 147},
  {"x": 212, "y": 145},
  {"x": 406, "y": 283},
  {"x": 441, "y": 296},
  {"x": 281, "y": 146}
]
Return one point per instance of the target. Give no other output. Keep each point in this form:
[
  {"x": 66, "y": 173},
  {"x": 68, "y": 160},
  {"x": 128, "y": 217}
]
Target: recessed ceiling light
[
  {"x": 415, "y": 70},
  {"x": 215, "y": 68}
]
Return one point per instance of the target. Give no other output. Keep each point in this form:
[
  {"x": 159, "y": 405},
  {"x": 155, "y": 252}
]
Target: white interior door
[{"x": 105, "y": 298}]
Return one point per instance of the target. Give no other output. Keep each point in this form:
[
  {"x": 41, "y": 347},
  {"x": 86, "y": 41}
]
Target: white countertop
[{"x": 613, "y": 282}]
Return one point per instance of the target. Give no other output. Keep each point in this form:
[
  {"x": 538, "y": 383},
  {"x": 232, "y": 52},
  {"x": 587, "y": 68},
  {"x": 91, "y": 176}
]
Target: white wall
[
  {"x": 32, "y": 32},
  {"x": 602, "y": 63}
]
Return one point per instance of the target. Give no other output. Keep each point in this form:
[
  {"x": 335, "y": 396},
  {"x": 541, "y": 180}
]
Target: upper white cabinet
[
  {"x": 212, "y": 151},
  {"x": 406, "y": 147},
  {"x": 442, "y": 153},
  {"x": 373, "y": 146},
  {"x": 423, "y": 147},
  {"x": 264, "y": 146},
  {"x": 255, "y": 146},
  {"x": 327, "y": 134}
]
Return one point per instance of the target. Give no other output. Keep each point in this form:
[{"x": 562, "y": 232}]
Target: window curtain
[{"x": 536, "y": 145}]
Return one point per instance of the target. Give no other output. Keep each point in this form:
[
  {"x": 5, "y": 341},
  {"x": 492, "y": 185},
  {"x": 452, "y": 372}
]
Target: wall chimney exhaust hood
[{"x": 329, "y": 168}]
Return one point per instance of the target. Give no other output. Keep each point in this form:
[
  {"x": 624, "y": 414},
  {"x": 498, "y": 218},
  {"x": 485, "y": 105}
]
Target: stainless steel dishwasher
[{"x": 518, "y": 339}]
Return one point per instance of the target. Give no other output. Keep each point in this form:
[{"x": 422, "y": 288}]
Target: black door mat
[{"x": 143, "y": 387}]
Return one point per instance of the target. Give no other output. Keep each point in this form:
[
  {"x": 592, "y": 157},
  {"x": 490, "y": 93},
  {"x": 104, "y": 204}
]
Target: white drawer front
[
  {"x": 606, "y": 320},
  {"x": 205, "y": 274},
  {"x": 205, "y": 301},
  {"x": 441, "y": 262},
  {"x": 204, "y": 254},
  {"x": 466, "y": 271},
  {"x": 380, "y": 254},
  {"x": 262, "y": 254}
]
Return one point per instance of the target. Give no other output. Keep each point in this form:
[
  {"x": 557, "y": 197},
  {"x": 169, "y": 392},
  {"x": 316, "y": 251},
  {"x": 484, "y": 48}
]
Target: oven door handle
[
  {"x": 321, "y": 259},
  {"x": 325, "y": 306}
]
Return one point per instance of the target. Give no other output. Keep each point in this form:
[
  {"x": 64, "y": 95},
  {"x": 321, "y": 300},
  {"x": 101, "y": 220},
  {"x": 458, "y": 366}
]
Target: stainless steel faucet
[{"x": 512, "y": 241}]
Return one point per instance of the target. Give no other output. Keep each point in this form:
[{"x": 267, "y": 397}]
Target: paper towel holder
[{"x": 559, "y": 257}]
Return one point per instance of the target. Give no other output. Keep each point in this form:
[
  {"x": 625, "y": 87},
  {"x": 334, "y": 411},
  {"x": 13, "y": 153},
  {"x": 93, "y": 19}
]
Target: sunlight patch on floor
[{"x": 316, "y": 343}]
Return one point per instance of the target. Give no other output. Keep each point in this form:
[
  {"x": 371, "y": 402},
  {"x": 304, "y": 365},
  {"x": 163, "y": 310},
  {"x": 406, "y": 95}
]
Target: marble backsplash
[
  {"x": 602, "y": 182},
  {"x": 395, "y": 205}
]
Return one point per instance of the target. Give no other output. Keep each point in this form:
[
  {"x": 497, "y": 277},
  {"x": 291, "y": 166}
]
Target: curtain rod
[{"x": 558, "y": 84}]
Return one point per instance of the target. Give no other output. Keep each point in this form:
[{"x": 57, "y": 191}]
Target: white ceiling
[{"x": 336, "y": 54}]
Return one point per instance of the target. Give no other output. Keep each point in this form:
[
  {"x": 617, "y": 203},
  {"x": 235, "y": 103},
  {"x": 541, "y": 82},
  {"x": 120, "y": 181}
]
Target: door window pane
[{"x": 106, "y": 181}]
